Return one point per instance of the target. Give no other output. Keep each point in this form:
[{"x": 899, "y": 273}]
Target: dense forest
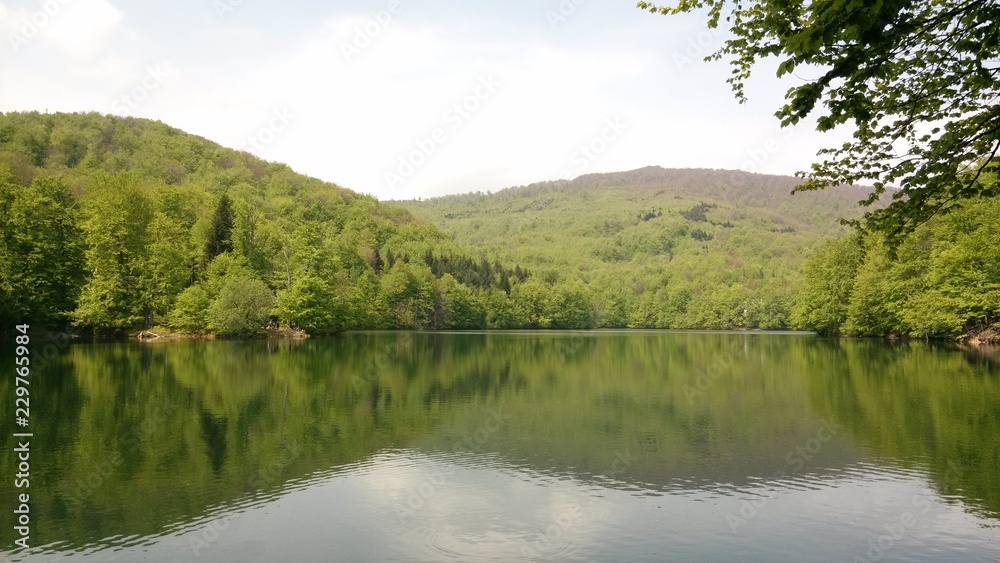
[
  {"x": 657, "y": 248},
  {"x": 114, "y": 225},
  {"x": 943, "y": 280},
  {"x": 722, "y": 249},
  {"x": 119, "y": 224}
]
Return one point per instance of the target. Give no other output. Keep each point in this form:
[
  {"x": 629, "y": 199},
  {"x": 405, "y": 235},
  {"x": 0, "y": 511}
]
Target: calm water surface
[{"x": 597, "y": 446}]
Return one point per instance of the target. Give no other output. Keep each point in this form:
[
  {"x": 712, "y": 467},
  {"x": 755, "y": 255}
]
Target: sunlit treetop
[{"x": 917, "y": 81}]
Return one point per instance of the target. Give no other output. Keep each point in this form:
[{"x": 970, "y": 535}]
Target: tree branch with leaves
[{"x": 919, "y": 82}]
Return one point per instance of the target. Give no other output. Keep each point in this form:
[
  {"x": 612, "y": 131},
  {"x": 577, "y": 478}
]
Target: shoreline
[
  {"x": 163, "y": 333},
  {"x": 989, "y": 336}
]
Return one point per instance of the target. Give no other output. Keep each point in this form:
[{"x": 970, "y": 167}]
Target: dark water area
[{"x": 597, "y": 446}]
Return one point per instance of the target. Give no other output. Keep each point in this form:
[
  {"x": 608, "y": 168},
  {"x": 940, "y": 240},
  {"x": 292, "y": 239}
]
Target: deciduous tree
[
  {"x": 117, "y": 228},
  {"x": 41, "y": 252}
]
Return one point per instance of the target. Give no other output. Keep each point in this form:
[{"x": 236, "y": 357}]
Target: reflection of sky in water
[
  {"x": 409, "y": 505},
  {"x": 284, "y": 455}
]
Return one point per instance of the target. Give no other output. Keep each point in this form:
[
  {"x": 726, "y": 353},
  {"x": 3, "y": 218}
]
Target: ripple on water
[{"x": 485, "y": 538}]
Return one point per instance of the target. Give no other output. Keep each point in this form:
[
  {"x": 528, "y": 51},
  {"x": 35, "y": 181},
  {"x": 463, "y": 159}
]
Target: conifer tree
[{"x": 220, "y": 234}]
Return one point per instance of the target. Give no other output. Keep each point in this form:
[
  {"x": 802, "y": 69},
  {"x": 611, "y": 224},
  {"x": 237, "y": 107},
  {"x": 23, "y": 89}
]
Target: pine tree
[
  {"x": 379, "y": 263},
  {"x": 504, "y": 282},
  {"x": 220, "y": 235}
]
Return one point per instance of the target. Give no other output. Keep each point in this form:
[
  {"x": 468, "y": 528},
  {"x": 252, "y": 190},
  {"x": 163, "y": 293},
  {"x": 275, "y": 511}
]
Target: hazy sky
[{"x": 407, "y": 98}]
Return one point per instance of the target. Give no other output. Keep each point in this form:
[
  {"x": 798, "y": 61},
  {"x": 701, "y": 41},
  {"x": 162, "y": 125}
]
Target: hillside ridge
[
  {"x": 657, "y": 247},
  {"x": 116, "y": 224}
]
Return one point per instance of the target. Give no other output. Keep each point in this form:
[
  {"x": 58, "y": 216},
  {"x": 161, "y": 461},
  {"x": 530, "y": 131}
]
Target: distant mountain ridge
[
  {"x": 737, "y": 188},
  {"x": 693, "y": 246}
]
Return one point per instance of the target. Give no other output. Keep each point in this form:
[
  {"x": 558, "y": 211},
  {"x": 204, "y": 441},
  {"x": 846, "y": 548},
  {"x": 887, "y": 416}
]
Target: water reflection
[{"x": 606, "y": 445}]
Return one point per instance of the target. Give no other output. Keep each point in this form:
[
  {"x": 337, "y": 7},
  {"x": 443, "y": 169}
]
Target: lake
[{"x": 510, "y": 446}]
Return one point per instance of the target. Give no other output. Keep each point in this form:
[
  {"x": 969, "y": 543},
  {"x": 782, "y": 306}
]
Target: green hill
[
  {"x": 656, "y": 247},
  {"x": 114, "y": 225},
  {"x": 118, "y": 224}
]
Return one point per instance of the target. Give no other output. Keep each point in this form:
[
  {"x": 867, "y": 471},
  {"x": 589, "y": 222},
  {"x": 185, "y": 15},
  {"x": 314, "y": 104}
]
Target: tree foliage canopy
[
  {"x": 115, "y": 237},
  {"x": 122, "y": 224},
  {"x": 944, "y": 280},
  {"x": 919, "y": 82}
]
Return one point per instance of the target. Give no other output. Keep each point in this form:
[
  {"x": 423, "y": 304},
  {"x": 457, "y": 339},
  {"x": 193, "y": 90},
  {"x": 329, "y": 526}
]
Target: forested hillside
[
  {"x": 656, "y": 247},
  {"x": 118, "y": 224},
  {"x": 112, "y": 225},
  {"x": 943, "y": 280},
  {"x": 723, "y": 249}
]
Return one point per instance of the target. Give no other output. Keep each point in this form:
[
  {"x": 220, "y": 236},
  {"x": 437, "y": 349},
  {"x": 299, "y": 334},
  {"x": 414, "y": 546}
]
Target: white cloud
[
  {"x": 82, "y": 27},
  {"x": 365, "y": 93},
  {"x": 363, "y": 112},
  {"x": 78, "y": 28}
]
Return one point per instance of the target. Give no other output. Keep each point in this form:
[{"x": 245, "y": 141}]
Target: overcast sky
[{"x": 408, "y": 98}]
